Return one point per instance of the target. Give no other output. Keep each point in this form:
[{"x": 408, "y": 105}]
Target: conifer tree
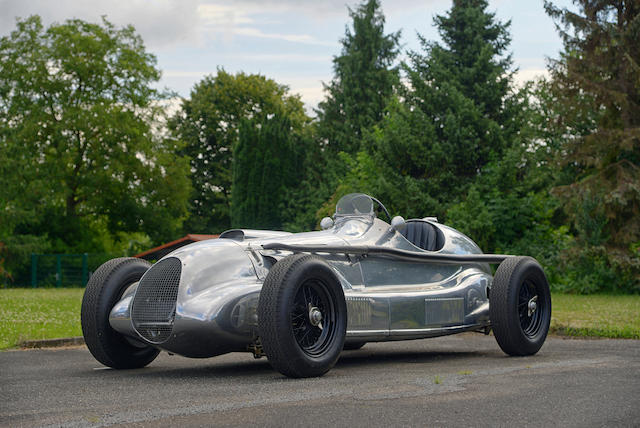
[
  {"x": 462, "y": 88},
  {"x": 266, "y": 163},
  {"x": 458, "y": 111},
  {"x": 600, "y": 67},
  {"x": 364, "y": 79},
  {"x": 209, "y": 124}
]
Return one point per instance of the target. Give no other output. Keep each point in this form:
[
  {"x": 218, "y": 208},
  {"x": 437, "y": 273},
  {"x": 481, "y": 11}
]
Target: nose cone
[
  {"x": 216, "y": 275},
  {"x": 211, "y": 263}
]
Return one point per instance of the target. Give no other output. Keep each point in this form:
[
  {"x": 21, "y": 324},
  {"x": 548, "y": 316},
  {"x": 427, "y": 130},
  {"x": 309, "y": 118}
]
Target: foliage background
[{"x": 89, "y": 162}]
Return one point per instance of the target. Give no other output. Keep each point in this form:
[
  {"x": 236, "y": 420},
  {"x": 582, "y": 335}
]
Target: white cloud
[
  {"x": 159, "y": 22},
  {"x": 309, "y": 88},
  {"x": 318, "y": 9},
  {"x": 311, "y": 97},
  {"x": 240, "y": 18},
  {"x": 297, "y": 38},
  {"x": 172, "y": 105},
  {"x": 184, "y": 73},
  {"x": 325, "y": 59},
  {"x": 215, "y": 14},
  {"x": 523, "y": 76}
]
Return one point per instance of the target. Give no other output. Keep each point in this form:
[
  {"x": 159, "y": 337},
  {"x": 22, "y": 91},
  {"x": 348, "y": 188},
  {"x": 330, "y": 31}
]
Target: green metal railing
[{"x": 58, "y": 270}]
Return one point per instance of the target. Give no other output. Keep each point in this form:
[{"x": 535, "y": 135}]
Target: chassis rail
[{"x": 370, "y": 250}]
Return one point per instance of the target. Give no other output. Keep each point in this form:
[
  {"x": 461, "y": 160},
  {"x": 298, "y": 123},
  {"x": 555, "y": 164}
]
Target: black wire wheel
[
  {"x": 520, "y": 306},
  {"x": 104, "y": 289},
  {"x": 302, "y": 316},
  {"x": 313, "y": 318},
  {"x": 528, "y": 309}
]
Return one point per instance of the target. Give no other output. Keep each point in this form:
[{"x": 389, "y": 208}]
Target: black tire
[
  {"x": 353, "y": 346},
  {"x": 104, "y": 289},
  {"x": 520, "y": 329},
  {"x": 294, "y": 289}
]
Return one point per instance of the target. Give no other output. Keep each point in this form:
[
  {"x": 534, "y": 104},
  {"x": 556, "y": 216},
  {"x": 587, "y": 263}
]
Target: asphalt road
[{"x": 462, "y": 380}]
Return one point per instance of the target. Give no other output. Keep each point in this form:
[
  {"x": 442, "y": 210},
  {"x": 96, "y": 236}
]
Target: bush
[
  {"x": 592, "y": 269},
  {"x": 17, "y": 252}
]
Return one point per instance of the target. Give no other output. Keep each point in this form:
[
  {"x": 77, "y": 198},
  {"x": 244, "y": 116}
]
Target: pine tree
[
  {"x": 459, "y": 109},
  {"x": 600, "y": 68},
  {"x": 463, "y": 89},
  {"x": 363, "y": 82},
  {"x": 473, "y": 59}
]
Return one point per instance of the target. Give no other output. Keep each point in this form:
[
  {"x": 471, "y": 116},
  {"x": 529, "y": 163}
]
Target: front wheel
[
  {"x": 302, "y": 316},
  {"x": 520, "y": 306},
  {"x": 104, "y": 289}
]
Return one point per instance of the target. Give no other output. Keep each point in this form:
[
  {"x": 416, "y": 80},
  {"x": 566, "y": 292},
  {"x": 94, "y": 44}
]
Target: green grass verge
[
  {"x": 596, "y": 315},
  {"x": 33, "y": 314},
  {"x": 41, "y": 313}
]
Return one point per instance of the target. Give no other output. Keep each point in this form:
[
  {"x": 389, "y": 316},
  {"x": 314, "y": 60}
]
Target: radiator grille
[{"x": 154, "y": 305}]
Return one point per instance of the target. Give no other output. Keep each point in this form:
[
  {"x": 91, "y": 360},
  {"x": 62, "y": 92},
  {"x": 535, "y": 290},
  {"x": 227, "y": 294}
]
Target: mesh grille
[{"x": 154, "y": 305}]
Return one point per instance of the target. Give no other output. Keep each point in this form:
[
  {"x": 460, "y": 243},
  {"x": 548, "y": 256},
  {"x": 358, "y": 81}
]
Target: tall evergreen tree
[
  {"x": 209, "y": 124},
  {"x": 462, "y": 88},
  {"x": 363, "y": 82},
  {"x": 600, "y": 67},
  {"x": 474, "y": 57},
  {"x": 459, "y": 110},
  {"x": 266, "y": 162}
]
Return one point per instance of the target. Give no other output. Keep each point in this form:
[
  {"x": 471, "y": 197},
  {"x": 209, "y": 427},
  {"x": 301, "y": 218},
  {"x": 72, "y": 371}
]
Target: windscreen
[{"x": 354, "y": 204}]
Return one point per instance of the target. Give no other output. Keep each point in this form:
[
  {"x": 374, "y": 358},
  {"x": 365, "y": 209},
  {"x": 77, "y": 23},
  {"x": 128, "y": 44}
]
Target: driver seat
[{"x": 423, "y": 235}]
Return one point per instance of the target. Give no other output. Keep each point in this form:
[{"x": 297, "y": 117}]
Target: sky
[{"x": 290, "y": 41}]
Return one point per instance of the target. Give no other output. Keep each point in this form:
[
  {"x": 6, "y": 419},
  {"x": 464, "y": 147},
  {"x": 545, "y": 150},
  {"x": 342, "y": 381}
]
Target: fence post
[
  {"x": 85, "y": 269},
  {"x": 58, "y": 270},
  {"x": 34, "y": 270}
]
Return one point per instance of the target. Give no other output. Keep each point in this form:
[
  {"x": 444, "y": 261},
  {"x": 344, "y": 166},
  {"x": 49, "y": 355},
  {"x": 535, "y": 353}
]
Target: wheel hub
[
  {"x": 315, "y": 316},
  {"x": 532, "y": 305}
]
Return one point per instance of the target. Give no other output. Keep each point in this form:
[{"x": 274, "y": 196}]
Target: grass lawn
[
  {"x": 32, "y": 314},
  {"x": 40, "y": 313},
  {"x": 597, "y": 315}
]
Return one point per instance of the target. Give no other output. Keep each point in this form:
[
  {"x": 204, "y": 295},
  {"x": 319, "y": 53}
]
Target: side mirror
[
  {"x": 326, "y": 223},
  {"x": 398, "y": 223}
]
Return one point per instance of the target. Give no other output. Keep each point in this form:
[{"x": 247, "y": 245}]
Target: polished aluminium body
[{"x": 391, "y": 293}]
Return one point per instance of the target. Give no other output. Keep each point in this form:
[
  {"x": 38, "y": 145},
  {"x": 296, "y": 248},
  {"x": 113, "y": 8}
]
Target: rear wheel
[
  {"x": 520, "y": 306},
  {"x": 302, "y": 316},
  {"x": 104, "y": 289}
]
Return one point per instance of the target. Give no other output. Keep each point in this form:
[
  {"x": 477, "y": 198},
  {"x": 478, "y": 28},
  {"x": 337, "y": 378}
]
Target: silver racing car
[{"x": 300, "y": 299}]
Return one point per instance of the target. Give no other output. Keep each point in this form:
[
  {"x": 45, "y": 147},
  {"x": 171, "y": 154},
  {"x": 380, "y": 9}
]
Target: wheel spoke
[
  {"x": 312, "y": 317},
  {"x": 306, "y": 333}
]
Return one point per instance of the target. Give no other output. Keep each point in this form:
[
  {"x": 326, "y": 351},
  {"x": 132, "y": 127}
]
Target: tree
[
  {"x": 364, "y": 80},
  {"x": 209, "y": 123},
  {"x": 266, "y": 162},
  {"x": 457, "y": 113},
  {"x": 596, "y": 85},
  {"x": 462, "y": 90},
  {"x": 80, "y": 158}
]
